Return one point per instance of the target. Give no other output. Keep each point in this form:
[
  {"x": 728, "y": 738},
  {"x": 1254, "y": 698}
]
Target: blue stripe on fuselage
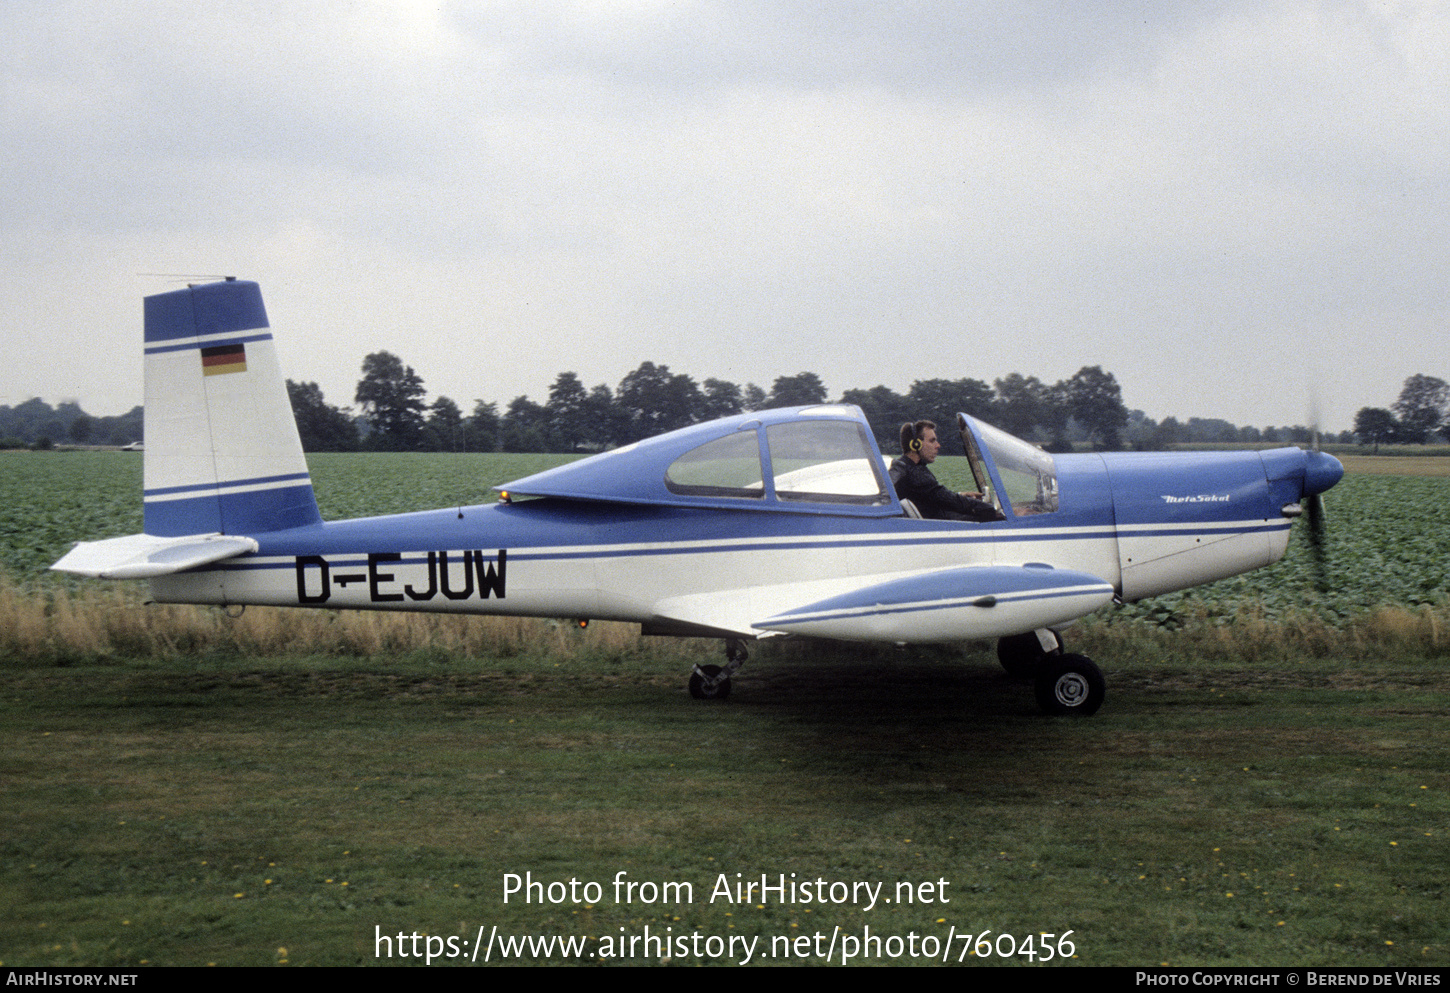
[{"x": 562, "y": 530}]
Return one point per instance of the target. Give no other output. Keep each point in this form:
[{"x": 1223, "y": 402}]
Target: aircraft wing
[
  {"x": 142, "y": 556},
  {"x": 958, "y": 603}
]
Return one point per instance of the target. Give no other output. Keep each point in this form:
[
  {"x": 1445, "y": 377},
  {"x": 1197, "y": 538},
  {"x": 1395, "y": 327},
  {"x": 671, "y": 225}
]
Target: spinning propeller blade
[
  {"x": 1316, "y": 542},
  {"x": 1320, "y": 465}
]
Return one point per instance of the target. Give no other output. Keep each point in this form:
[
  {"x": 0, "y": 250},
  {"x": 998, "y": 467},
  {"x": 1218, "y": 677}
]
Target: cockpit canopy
[
  {"x": 819, "y": 459},
  {"x": 800, "y": 459}
]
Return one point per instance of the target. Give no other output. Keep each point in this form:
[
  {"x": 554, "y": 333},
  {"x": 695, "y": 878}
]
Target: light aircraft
[{"x": 770, "y": 523}]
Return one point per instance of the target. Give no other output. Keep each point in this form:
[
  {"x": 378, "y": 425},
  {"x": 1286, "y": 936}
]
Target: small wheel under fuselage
[
  {"x": 1070, "y": 684},
  {"x": 709, "y": 682}
]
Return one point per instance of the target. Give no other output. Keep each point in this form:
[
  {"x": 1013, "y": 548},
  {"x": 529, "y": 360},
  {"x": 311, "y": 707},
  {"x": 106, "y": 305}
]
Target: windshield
[{"x": 1028, "y": 474}]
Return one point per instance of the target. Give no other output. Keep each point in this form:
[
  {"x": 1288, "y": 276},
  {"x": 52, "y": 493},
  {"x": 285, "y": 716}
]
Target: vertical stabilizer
[{"x": 222, "y": 451}]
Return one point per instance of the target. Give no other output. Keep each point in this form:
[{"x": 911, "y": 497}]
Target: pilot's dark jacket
[{"x": 915, "y": 482}]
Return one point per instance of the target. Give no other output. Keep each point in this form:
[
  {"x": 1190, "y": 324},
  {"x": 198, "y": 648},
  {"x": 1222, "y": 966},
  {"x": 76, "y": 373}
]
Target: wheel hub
[{"x": 1071, "y": 689}]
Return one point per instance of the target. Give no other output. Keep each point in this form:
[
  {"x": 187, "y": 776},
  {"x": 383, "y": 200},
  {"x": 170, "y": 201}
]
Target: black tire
[
  {"x": 714, "y": 689},
  {"x": 1022, "y": 655},
  {"x": 1071, "y": 684}
]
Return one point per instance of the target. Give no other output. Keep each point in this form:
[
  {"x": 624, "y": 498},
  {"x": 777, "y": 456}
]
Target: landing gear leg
[
  {"x": 712, "y": 682},
  {"x": 1024, "y": 655}
]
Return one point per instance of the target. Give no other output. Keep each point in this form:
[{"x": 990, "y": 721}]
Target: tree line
[
  {"x": 1085, "y": 410},
  {"x": 1417, "y": 416},
  {"x": 36, "y": 424}
]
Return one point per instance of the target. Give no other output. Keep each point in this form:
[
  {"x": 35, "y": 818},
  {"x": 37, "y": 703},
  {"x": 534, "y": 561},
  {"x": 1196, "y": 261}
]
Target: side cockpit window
[
  {"x": 825, "y": 461},
  {"x": 810, "y": 461},
  {"x": 725, "y": 467}
]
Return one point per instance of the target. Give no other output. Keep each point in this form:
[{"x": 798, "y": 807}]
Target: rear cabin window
[{"x": 725, "y": 467}]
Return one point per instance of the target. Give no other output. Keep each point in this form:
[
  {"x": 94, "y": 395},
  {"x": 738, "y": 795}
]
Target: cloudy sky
[{"x": 1237, "y": 208}]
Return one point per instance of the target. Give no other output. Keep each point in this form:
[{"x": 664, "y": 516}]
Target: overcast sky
[{"x": 1236, "y": 208}]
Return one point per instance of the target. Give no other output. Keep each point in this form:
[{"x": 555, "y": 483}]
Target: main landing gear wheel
[
  {"x": 712, "y": 682},
  {"x": 1023, "y": 656},
  {"x": 1070, "y": 684},
  {"x": 708, "y": 682}
]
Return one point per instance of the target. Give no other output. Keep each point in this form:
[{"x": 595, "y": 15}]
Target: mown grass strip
[{"x": 202, "y": 811}]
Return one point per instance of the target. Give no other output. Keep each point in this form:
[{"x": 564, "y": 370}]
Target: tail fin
[{"x": 222, "y": 451}]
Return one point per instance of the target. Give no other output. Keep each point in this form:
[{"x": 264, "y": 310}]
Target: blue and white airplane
[{"x": 771, "y": 523}]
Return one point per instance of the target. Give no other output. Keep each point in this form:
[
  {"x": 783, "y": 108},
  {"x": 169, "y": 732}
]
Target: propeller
[
  {"x": 1317, "y": 556},
  {"x": 1321, "y": 471}
]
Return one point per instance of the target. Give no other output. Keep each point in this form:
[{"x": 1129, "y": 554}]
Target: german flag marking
[{"x": 219, "y": 359}]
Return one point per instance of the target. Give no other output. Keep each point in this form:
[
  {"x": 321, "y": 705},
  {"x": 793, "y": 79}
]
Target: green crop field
[{"x": 1268, "y": 783}]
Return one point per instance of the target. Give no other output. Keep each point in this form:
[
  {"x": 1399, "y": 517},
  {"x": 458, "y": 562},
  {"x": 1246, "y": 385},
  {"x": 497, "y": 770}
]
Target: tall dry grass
[
  {"x": 1251, "y": 636},
  {"x": 96, "y": 622}
]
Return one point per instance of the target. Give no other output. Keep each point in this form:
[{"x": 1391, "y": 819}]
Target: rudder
[{"x": 222, "y": 449}]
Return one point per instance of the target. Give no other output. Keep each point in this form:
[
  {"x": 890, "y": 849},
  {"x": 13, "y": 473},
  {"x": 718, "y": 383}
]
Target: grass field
[
  {"x": 1262, "y": 787},
  {"x": 202, "y": 811}
]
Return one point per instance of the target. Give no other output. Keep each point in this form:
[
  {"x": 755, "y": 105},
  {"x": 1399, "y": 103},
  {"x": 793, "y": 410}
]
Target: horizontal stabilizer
[
  {"x": 142, "y": 556},
  {"x": 955, "y": 604}
]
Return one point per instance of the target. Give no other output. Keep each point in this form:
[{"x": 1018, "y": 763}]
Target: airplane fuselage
[{"x": 1144, "y": 524}]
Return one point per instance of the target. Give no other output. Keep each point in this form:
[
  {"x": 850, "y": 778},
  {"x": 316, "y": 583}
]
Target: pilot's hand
[{"x": 974, "y": 496}]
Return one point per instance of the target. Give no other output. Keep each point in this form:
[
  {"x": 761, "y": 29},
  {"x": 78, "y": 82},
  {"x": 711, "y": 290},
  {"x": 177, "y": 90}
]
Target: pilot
[{"x": 915, "y": 482}]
